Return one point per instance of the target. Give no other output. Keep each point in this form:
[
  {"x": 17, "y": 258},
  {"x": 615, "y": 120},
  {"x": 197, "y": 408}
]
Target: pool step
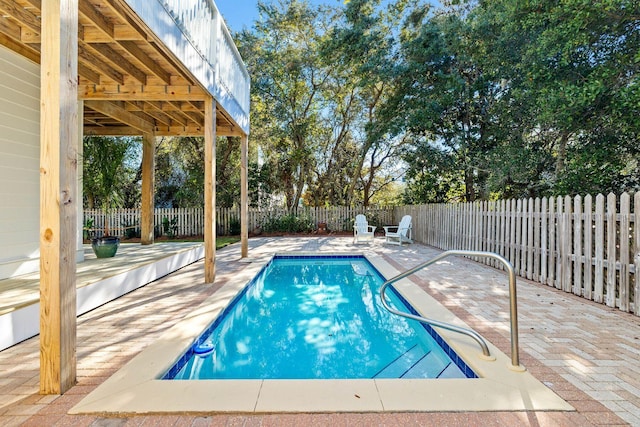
[
  {"x": 433, "y": 366},
  {"x": 415, "y": 363}
]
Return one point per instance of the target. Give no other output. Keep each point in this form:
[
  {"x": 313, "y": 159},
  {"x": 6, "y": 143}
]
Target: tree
[
  {"x": 283, "y": 58},
  {"x": 362, "y": 48},
  {"x": 447, "y": 97},
  {"x": 531, "y": 98},
  {"x": 106, "y": 172},
  {"x": 179, "y": 172},
  {"x": 320, "y": 76},
  {"x": 570, "y": 69}
]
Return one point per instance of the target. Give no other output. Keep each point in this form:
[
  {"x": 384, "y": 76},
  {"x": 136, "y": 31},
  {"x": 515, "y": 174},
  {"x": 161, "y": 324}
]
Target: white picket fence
[
  {"x": 583, "y": 245},
  {"x": 572, "y": 244},
  {"x": 190, "y": 222}
]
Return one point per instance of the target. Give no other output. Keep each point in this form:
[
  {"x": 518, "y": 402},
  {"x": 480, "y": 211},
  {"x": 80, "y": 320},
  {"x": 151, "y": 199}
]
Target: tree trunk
[
  {"x": 562, "y": 153},
  {"x": 470, "y": 192}
]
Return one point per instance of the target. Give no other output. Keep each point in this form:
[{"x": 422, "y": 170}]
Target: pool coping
[{"x": 137, "y": 389}]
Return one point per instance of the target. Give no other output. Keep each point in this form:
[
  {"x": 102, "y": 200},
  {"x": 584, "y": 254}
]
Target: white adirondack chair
[
  {"x": 398, "y": 234},
  {"x": 362, "y": 230}
]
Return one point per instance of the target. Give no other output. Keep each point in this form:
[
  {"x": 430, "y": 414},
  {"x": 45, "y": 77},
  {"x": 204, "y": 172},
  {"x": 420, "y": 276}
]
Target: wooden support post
[
  {"x": 58, "y": 194},
  {"x": 148, "y": 184},
  {"x": 210, "y": 191},
  {"x": 244, "y": 198},
  {"x": 79, "y": 171}
]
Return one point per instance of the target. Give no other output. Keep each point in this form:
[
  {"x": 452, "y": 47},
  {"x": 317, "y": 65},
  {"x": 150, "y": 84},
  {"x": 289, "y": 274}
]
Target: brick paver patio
[{"x": 587, "y": 353}]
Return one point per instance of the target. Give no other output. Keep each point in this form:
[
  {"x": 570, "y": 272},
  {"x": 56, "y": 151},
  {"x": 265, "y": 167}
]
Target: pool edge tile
[{"x": 319, "y": 396}]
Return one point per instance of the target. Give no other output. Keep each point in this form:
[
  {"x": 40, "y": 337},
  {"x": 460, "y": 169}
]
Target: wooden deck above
[{"x": 131, "y": 81}]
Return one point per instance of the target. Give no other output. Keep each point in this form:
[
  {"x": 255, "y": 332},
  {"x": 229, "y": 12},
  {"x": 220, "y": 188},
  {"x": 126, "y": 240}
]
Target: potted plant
[{"x": 104, "y": 176}]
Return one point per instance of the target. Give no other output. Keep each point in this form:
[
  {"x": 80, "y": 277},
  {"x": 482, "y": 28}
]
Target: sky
[
  {"x": 242, "y": 13},
  {"x": 239, "y": 14}
]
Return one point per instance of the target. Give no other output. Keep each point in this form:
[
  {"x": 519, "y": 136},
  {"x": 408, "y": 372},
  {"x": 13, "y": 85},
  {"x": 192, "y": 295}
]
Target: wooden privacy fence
[
  {"x": 573, "y": 244},
  {"x": 190, "y": 222}
]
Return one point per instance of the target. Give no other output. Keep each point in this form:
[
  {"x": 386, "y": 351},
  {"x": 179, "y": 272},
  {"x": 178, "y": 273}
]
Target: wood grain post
[
  {"x": 79, "y": 172},
  {"x": 611, "y": 250},
  {"x": 58, "y": 194},
  {"x": 148, "y": 185},
  {"x": 244, "y": 197},
  {"x": 636, "y": 251},
  {"x": 209, "y": 190}
]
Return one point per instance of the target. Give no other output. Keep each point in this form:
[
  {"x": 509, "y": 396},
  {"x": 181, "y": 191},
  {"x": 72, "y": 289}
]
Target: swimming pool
[
  {"x": 317, "y": 317},
  {"x": 138, "y": 387}
]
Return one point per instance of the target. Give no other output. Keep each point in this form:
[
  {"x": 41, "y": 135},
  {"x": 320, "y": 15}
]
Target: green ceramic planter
[{"x": 105, "y": 247}]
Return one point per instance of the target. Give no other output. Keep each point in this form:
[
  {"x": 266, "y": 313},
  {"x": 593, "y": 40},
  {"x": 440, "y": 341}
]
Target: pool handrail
[{"x": 515, "y": 357}]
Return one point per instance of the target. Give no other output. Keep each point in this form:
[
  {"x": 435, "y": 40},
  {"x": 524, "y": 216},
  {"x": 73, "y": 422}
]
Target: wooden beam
[
  {"x": 244, "y": 197},
  {"x": 228, "y": 131},
  {"x": 142, "y": 93},
  {"x": 120, "y": 32},
  {"x": 154, "y": 110},
  {"x": 111, "y": 130},
  {"x": 112, "y": 110},
  {"x": 21, "y": 14},
  {"x": 177, "y": 117},
  {"x": 10, "y": 28},
  {"x": 117, "y": 60},
  {"x": 35, "y": 3},
  {"x": 210, "y": 191},
  {"x": 158, "y": 130},
  {"x": 123, "y": 13},
  {"x": 88, "y": 73},
  {"x": 175, "y": 63},
  {"x": 151, "y": 65},
  {"x": 196, "y": 118},
  {"x": 79, "y": 181},
  {"x": 28, "y": 36},
  {"x": 91, "y": 60},
  {"x": 20, "y": 48},
  {"x": 148, "y": 182},
  {"x": 176, "y": 109},
  {"x": 58, "y": 195},
  {"x": 97, "y": 18}
]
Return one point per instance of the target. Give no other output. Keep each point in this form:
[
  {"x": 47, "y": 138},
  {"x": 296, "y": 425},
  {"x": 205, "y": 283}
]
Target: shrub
[
  {"x": 170, "y": 227},
  {"x": 234, "y": 226},
  {"x": 131, "y": 230},
  {"x": 289, "y": 224}
]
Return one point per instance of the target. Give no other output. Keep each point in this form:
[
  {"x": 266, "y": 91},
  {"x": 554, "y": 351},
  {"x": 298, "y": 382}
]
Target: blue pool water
[{"x": 317, "y": 318}]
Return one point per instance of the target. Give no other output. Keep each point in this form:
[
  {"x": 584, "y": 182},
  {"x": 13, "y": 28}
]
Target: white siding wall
[{"x": 19, "y": 164}]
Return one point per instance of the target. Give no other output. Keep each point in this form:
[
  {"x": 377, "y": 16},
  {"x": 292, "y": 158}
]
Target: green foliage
[
  {"x": 290, "y": 223},
  {"x": 474, "y": 100},
  {"x": 529, "y": 98},
  {"x": 170, "y": 226},
  {"x": 131, "y": 230},
  {"x": 180, "y": 172},
  {"x": 87, "y": 229},
  {"x": 234, "y": 226},
  {"x": 106, "y": 172},
  {"x": 320, "y": 75}
]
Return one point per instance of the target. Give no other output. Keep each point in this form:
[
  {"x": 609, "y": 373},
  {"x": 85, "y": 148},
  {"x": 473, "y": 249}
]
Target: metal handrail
[{"x": 515, "y": 357}]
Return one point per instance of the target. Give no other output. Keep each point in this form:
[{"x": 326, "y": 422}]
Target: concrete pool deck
[{"x": 584, "y": 352}]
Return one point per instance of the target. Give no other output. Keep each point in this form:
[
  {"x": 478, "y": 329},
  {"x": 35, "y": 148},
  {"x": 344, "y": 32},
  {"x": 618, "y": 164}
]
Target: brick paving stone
[{"x": 584, "y": 351}]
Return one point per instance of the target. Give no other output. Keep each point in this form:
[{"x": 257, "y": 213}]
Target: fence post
[
  {"x": 588, "y": 247},
  {"x": 536, "y": 240},
  {"x": 544, "y": 233},
  {"x": 636, "y": 251},
  {"x": 598, "y": 285},
  {"x": 611, "y": 250},
  {"x": 577, "y": 245},
  {"x": 625, "y": 208}
]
